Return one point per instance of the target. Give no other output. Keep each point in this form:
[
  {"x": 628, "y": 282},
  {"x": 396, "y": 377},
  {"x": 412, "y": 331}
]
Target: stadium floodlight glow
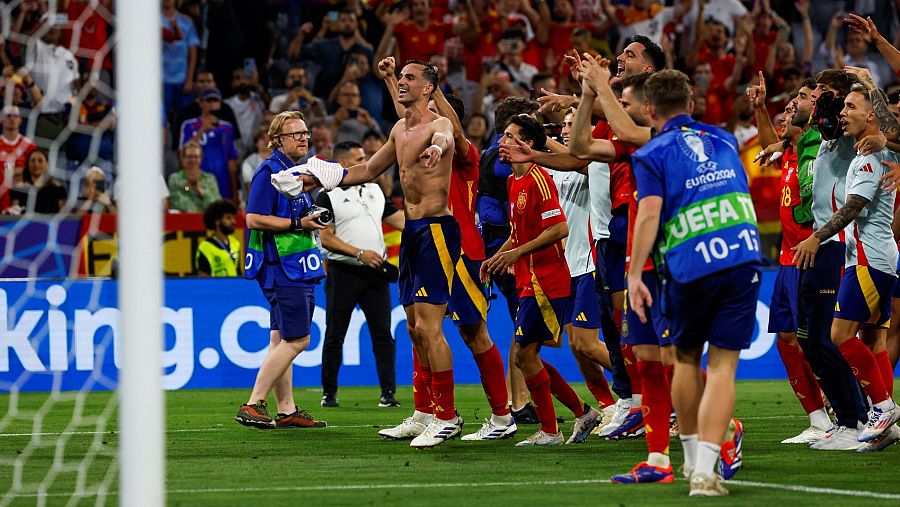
[{"x": 142, "y": 412}]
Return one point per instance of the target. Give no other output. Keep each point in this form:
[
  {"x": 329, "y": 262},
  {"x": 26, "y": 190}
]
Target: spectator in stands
[
  {"x": 17, "y": 88},
  {"x": 95, "y": 112},
  {"x": 89, "y": 47},
  {"x": 179, "y": 55},
  {"x": 191, "y": 189},
  {"x": 216, "y": 137},
  {"x": 298, "y": 97},
  {"x": 855, "y": 53},
  {"x": 220, "y": 253},
  {"x": 351, "y": 121},
  {"x": 331, "y": 54},
  {"x": 510, "y": 62},
  {"x": 55, "y": 71},
  {"x": 443, "y": 68},
  {"x": 247, "y": 103},
  {"x": 321, "y": 140},
  {"x": 14, "y": 147},
  {"x": 251, "y": 163},
  {"x": 418, "y": 35},
  {"x": 45, "y": 194},
  {"x": 371, "y": 89},
  {"x": 646, "y": 17},
  {"x": 355, "y": 249},
  {"x": 94, "y": 196},
  {"x": 477, "y": 130},
  {"x": 204, "y": 80}
]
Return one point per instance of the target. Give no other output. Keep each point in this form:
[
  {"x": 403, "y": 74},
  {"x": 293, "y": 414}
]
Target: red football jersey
[
  {"x": 420, "y": 45},
  {"x": 620, "y": 186},
  {"x": 463, "y": 189},
  {"x": 791, "y": 232},
  {"x": 534, "y": 206},
  {"x": 15, "y": 151}
]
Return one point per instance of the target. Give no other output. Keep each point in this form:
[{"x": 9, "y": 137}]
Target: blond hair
[{"x": 277, "y": 125}]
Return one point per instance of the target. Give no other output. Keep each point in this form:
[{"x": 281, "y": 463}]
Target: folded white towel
[
  {"x": 288, "y": 183},
  {"x": 328, "y": 173}
]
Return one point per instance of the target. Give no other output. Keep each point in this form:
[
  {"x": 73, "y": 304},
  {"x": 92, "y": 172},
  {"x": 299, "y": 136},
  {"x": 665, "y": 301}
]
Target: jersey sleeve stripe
[
  {"x": 443, "y": 253},
  {"x": 541, "y": 183},
  {"x": 471, "y": 287}
]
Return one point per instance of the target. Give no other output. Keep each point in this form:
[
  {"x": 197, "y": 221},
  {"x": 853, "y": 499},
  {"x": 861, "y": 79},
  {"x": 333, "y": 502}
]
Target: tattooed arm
[{"x": 805, "y": 251}]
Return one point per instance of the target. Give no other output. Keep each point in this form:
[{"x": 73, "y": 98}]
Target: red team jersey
[
  {"x": 15, "y": 151},
  {"x": 463, "y": 189},
  {"x": 534, "y": 206},
  {"x": 621, "y": 189},
  {"x": 791, "y": 232}
]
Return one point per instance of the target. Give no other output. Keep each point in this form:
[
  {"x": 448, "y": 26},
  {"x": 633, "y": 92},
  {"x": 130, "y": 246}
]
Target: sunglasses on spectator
[
  {"x": 303, "y": 134},
  {"x": 212, "y": 99}
]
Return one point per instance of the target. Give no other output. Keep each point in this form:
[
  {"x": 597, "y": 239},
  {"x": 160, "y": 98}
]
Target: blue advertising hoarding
[{"x": 64, "y": 334}]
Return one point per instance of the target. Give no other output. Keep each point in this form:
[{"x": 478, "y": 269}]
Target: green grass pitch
[{"x": 211, "y": 460}]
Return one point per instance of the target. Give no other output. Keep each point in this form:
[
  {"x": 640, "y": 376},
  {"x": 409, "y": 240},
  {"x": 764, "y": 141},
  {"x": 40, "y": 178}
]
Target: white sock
[
  {"x": 636, "y": 400},
  {"x": 689, "y": 443},
  {"x": 707, "y": 456},
  {"x": 514, "y": 409},
  {"x": 819, "y": 419},
  {"x": 886, "y": 405},
  {"x": 658, "y": 459},
  {"x": 501, "y": 420},
  {"x": 417, "y": 415}
]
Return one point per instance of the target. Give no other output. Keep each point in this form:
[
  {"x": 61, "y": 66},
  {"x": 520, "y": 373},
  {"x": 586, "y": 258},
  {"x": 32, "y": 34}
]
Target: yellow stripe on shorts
[
  {"x": 471, "y": 287},
  {"x": 547, "y": 312},
  {"x": 869, "y": 292},
  {"x": 443, "y": 253}
]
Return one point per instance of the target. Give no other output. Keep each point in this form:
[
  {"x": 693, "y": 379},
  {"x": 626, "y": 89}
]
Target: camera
[{"x": 325, "y": 215}]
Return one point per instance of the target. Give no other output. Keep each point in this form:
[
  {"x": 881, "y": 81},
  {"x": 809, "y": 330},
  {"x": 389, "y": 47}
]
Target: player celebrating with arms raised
[
  {"x": 693, "y": 191},
  {"x": 535, "y": 252}
]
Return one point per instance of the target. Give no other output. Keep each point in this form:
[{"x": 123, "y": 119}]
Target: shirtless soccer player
[{"x": 421, "y": 143}]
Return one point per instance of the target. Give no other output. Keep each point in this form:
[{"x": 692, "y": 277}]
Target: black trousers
[
  {"x": 818, "y": 295},
  {"x": 345, "y": 287},
  {"x": 621, "y": 383}
]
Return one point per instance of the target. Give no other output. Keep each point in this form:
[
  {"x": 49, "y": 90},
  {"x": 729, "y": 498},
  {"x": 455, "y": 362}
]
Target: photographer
[
  {"x": 357, "y": 274},
  {"x": 94, "y": 197},
  {"x": 351, "y": 121}
]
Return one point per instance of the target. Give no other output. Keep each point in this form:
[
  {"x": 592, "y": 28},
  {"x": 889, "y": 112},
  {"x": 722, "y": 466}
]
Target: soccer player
[
  {"x": 820, "y": 280},
  {"x": 422, "y": 144},
  {"x": 799, "y": 144},
  {"x": 468, "y": 302},
  {"x": 535, "y": 252},
  {"x": 693, "y": 196},
  {"x": 864, "y": 297}
]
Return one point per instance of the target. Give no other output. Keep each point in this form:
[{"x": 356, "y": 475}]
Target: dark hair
[
  {"x": 837, "y": 79},
  {"x": 530, "y": 130},
  {"x": 509, "y": 107},
  {"x": 790, "y": 73},
  {"x": 457, "y": 104},
  {"x": 653, "y": 54},
  {"x": 513, "y": 33},
  {"x": 809, "y": 83},
  {"x": 713, "y": 21},
  {"x": 345, "y": 146},
  {"x": 215, "y": 211},
  {"x": 26, "y": 173},
  {"x": 580, "y": 31},
  {"x": 540, "y": 76},
  {"x": 637, "y": 83},
  {"x": 348, "y": 10},
  {"x": 429, "y": 71},
  {"x": 669, "y": 91},
  {"x": 373, "y": 133}
]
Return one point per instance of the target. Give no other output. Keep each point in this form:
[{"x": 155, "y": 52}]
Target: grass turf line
[{"x": 211, "y": 460}]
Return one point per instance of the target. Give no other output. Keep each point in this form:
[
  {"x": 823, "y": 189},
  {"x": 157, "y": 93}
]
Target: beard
[
  {"x": 227, "y": 230},
  {"x": 348, "y": 34},
  {"x": 800, "y": 120}
]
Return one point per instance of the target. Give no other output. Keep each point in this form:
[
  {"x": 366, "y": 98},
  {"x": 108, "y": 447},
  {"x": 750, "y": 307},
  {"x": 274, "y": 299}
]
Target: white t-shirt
[
  {"x": 601, "y": 200},
  {"x": 54, "y": 69},
  {"x": 575, "y": 200},
  {"x": 248, "y": 114}
]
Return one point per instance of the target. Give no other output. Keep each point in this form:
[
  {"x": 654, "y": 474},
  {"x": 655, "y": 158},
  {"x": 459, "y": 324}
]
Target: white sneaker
[
  {"x": 840, "y": 438},
  {"x": 542, "y": 438},
  {"x": 620, "y": 410},
  {"x": 880, "y": 421},
  {"x": 492, "y": 431},
  {"x": 702, "y": 485},
  {"x": 807, "y": 436},
  {"x": 584, "y": 425},
  {"x": 411, "y": 427},
  {"x": 438, "y": 432},
  {"x": 890, "y": 437}
]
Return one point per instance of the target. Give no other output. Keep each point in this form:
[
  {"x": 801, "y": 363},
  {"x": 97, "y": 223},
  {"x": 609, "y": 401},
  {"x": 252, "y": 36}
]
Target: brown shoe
[
  {"x": 298, "y": 419},
  {"x": 256, "y": 416}
]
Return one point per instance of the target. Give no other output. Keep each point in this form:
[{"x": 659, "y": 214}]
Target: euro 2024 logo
[{"x": 698, "y": 148}]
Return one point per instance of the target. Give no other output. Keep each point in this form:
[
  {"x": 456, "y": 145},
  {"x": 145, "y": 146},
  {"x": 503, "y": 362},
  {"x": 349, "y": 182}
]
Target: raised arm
[
  {"x": 461, "y": 144},
  {"x": 385, "y": 71},
  {"x": 598, "y": 74},
  {"x": 866, "y": 27},
  {"x": 381, "y": 161},
  {"x": 756, "y": 94}
]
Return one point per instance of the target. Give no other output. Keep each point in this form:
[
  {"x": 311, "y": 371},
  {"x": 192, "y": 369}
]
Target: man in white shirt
[
  {"x": 354, "y": 246},
  {"x": 54, "y": 69}
]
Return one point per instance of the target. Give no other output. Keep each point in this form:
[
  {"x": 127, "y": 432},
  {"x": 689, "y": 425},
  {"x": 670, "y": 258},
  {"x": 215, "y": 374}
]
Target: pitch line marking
[
  {"x": 43, "y": 434},
  {"x": 350, "y": 487}
]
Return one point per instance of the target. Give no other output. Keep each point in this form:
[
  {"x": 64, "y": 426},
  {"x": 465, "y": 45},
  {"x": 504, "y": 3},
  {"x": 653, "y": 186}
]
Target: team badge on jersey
[{"x": 521, "y": 201}]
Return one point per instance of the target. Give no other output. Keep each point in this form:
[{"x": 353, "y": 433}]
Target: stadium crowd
[{"x": 809, "y": 97}]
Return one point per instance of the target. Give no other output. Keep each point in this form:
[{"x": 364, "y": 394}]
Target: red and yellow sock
[
  {"x": 421, "y": 385},
  {"x": 803, "y": 382},
  {"x": 539, "y": 388},
  {"x": 563, "y": 392},
  {"x": 657, "y": 405},
  {"x": 493, "y": 380},
  {"x": 600, "y": 389},
  {"x": 866, "y": 369},
  {"x": 631, "y": 369},
  {"x": 887, "y": 371},
  {"x": 442, "y": 394}
]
